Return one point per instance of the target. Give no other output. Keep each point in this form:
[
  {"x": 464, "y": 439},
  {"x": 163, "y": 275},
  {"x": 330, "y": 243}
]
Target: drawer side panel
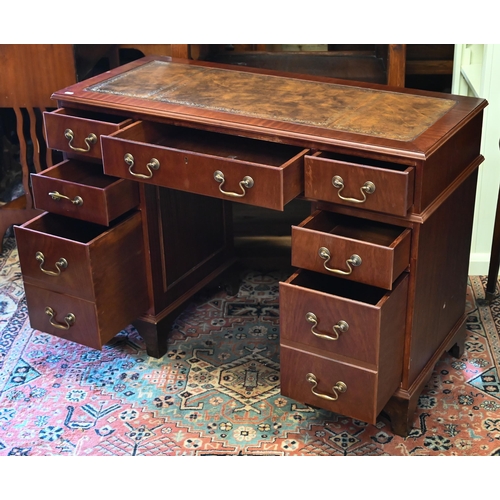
[{"x": 119, "y": 276}]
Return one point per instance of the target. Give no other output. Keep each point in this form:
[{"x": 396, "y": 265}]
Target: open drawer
[
  {"x": 353, "y": 181},
  {"x": 83, "y": 282},
  {"x": 352, "y": 248},
  {"x": 81, "y": 190},
  {"x": 78, "y": 131},
  {"x": 234, "y": 168},
  {"x": 83, "y": 259},
  {"x": 349, "y": 357},
  {"x": 345, "y": 318}
]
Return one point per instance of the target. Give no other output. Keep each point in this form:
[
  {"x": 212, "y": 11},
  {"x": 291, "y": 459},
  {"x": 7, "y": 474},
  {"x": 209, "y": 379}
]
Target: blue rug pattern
[{"x": 217, "y": 389}]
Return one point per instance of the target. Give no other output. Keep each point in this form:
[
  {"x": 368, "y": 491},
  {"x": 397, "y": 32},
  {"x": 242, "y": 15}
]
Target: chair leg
[
  {"x": 491, "y": 284},
  {"x": 15, "y": 213}
]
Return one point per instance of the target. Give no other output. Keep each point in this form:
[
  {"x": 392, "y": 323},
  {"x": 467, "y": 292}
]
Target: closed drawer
[
  {"x": 80, "y": 190},
  {"x": 339, "y": 387},
  {"x": 99, "y": 290},
  {"x": 352, "y": 248},
  {"x": 67, "y": 317},
  {"x": 379, "y": 186},
  {"x": 352, "y": 321},
  {"x": 78, "y": 131},
  {"x": 234, "y": 168},
  {"x": 87, "y": 323}
]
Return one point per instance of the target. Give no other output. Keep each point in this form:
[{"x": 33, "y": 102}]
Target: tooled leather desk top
[{"x": 375, "y": 113}]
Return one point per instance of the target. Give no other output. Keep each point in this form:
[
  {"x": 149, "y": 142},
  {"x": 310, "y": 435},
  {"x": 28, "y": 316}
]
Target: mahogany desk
[{"x": 138, "y": 218}]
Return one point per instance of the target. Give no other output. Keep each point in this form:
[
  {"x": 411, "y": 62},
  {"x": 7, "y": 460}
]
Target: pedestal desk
[{"x": 137, "y": 218}]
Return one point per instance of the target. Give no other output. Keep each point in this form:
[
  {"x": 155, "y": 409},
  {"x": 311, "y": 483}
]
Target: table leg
[
  {"x": 155, "y": 335},
  {"x": 15, "y": 213}
]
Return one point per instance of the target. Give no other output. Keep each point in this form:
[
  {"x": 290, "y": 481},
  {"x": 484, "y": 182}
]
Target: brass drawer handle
[
  {"x": 89, "y": 140},
  {"x": 153, "y": 164},
  {"x": 61, "y": 264},
  {"x": 339, "y": 386},
  {"x": 247, "y": 183},
  {"x": 69, "y": 319},
  {"x": 367, "y": 188},
  {"x": 354, "y": 261},
  {"x": 77, "y": 200},
  {"x": 341, "y": 327}
]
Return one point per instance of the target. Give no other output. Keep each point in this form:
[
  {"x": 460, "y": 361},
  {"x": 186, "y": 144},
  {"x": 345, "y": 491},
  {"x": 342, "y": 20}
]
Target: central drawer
[
  {"x": 352, "y": 248},
  {"x": 234, "y": 168}
]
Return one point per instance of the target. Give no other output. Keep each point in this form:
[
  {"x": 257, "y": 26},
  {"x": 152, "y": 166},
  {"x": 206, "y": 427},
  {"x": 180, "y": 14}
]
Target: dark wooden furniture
[
  {"x": 379, "y": 293},
  {"x": 422, "y": 66},
  {"x": 374, "y": 64},
  {"x": 491, "y": 284}
]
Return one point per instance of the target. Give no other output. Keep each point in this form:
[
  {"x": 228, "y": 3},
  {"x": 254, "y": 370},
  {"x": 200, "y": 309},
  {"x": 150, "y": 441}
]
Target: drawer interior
[
  {"x": 346, "y": 226},
  {"x": 363, "y": 161},
  {"x": 91, "y": 115},
  {"x": 334, "y": 286},
  {"x": 78, "y": 172},
  {"x": 66, "y": 227},
  {"x": 211, "y": 143}
]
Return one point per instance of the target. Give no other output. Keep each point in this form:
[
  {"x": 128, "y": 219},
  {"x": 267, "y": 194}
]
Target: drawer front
[
  {"x": 59, "y": 263},
  {"x": 380, "y": 189},
  {"x": 81, "y": 191},
  {"x": 351, "y": 248},
  {"x": 338, "y": 387},
  {"x": 348, "y": 320},
  {"x": 269, "y": 185},
  {"x": 74, "y": 131},
  {"x": 80, "y": 258},
  {"x": 103, "y": 284},
  {"x": 64, "y": 316}
]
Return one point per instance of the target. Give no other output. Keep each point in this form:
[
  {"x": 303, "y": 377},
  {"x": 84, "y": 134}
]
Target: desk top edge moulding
[{"x": 329, "y": 110}]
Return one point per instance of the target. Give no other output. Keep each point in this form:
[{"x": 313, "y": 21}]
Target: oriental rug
[{"x": 217, "y": 390}]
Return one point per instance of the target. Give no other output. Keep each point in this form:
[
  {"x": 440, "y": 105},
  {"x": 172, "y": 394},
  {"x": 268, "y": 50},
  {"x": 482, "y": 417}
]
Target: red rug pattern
[{"x": 216, "y": 391}]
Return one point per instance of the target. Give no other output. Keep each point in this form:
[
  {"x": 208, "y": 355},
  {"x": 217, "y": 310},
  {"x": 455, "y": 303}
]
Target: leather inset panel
[{"x": 343, "y": 108}]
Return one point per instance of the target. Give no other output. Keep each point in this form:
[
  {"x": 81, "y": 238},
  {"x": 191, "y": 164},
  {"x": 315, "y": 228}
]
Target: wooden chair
[
  {"x": 492, "y": 280},
  {"x": 30, "y": 73}
]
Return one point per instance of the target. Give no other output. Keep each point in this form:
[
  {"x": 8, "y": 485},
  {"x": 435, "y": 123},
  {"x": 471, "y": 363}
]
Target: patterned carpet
[{"x": 217, "y": 390}]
